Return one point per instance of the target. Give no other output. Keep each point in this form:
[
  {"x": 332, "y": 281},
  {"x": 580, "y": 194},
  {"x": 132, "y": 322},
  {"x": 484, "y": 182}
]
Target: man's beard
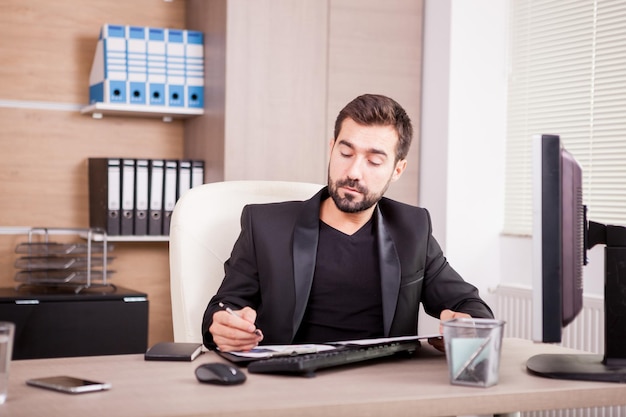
[{"x": 347, "y": 203}]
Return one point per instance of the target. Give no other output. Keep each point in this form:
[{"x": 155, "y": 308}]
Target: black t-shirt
[{"x": 345, "y": 301}]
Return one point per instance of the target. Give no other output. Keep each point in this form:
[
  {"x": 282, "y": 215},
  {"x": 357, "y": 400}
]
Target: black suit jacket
[{"x": 272, "y": 263}]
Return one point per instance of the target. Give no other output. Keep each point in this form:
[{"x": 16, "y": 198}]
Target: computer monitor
[
  {"x": 558, "y": 238},
  {"x": 561, "y": 237}
]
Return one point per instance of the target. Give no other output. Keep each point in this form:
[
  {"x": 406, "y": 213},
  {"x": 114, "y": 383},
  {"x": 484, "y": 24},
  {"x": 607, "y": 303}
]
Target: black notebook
[{"x": 172, "y": 351}]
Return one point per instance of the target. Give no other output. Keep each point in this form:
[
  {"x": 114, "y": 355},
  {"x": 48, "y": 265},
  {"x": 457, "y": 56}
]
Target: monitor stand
[
  {"x": 582, "y": 367},
  {"x": 592, "y": 367}
]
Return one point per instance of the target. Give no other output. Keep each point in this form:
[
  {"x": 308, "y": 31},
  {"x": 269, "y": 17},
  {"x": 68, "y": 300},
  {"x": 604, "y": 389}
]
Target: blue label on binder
[
  {"x": 117, "y": 91},
  {"x": 136, "y": 32},
  {"x": 194, "y": 37},
  {"x": 137, "y": 93},
  {"x": 156, "y": 34},
  {"x": 174, "y": 35},
  {"x": 195, "y": 96},
  {"x": 157, "y": 94},
  {"x": 113, "y": 31},
  {"x": 176, "y": 96}
]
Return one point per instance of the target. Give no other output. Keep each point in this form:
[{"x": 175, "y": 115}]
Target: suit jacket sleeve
[
  {"x": 444, "y": 288},
  {"x": 259, "y": 272},
  {"x": 240, "y": 286}
]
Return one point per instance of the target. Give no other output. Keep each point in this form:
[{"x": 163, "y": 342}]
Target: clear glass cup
[
  {"x": 473, "y": 350},
  {"x": 7, "y": 330}
]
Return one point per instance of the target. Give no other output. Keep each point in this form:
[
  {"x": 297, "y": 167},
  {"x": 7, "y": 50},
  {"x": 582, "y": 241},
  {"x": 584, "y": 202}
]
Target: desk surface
[{"x": 417, "y": 386}]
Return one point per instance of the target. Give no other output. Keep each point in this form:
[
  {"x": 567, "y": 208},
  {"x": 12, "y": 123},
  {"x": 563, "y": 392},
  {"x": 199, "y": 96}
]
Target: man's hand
[
  {"x": 445, "y": 315},
  {"x": 236, "y": 331}
]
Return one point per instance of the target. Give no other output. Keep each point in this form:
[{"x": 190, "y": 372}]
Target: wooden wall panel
[
  {"x": 204, "y": 136},
  {"x": 376, "y": 47},
  {"x": 46, "y": 54},
  {"x": 276, "y": 90}
]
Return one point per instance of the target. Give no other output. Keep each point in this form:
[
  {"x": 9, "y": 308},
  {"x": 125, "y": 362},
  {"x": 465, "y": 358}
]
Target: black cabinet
[{"x": 53, "y": 323}]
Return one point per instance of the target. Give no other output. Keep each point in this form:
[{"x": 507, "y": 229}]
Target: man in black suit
[{"x": 346, "y": 264}]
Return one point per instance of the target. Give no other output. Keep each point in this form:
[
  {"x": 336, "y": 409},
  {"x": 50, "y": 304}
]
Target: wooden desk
[{"x": 408, "y": 387}]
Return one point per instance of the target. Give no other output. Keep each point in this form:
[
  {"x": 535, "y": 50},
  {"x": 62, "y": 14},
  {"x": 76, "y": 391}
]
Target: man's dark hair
[{"x": 375, "y": 109}]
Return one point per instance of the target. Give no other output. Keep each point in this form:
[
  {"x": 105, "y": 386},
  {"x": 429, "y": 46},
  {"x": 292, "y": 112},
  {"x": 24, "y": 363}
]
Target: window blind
[{"x": 568, "y": 77}]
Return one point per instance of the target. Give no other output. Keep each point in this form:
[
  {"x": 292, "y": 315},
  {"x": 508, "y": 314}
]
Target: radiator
[{"x": 586, "y": 332}]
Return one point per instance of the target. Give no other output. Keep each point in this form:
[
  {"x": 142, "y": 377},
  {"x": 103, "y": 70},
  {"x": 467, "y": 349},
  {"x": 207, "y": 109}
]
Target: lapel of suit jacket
[
  {"x": 305, "y": 238},
  {"x": 390, "y": 273}
]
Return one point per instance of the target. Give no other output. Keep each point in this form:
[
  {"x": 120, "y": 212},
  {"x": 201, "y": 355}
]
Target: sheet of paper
[
  {"x": 269, "y": 351},
  {"x": 366, "y": 342}
]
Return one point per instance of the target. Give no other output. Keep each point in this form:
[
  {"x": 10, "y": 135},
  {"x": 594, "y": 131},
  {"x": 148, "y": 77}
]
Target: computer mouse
[{"x": 220, "y": 374}]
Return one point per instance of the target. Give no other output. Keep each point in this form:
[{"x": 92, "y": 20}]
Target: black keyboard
[{"x": 310, "y": 362}]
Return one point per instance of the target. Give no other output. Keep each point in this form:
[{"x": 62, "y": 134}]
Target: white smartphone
[{"x": 68, "y": 384}]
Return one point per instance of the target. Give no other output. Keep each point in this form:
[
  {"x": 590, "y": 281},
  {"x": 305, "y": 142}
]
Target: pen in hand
[{"x": 232, "y": 313}]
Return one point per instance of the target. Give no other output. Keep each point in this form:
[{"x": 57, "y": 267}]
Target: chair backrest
[{"x": 204, "y": 226}]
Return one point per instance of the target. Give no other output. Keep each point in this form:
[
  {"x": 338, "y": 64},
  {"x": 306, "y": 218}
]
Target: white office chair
[{"x": 204, "y": 226}]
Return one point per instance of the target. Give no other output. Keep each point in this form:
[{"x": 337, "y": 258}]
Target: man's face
[{"x": 362, "y": 164}]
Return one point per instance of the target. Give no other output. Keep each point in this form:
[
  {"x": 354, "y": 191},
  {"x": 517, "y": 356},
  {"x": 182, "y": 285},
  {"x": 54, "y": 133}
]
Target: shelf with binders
[
  {"x": 167, "y": 113},
  {"x": 147, "y": 72},
  {"x": 132, "y": 199}
]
